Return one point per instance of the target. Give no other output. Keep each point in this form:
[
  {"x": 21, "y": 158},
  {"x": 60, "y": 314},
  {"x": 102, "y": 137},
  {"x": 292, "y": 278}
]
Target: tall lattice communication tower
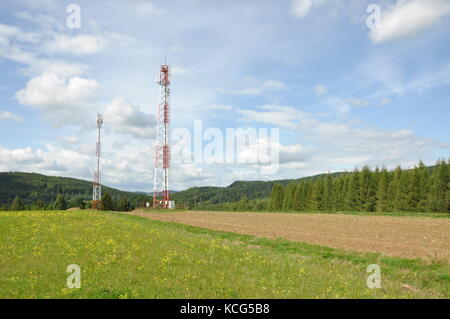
[
  {"x": 97, "y": 186},
  {"x": 161, "y": 194}
]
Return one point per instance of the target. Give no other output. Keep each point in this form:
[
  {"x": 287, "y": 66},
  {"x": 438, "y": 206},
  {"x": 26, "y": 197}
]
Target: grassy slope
[{"x": 124, "y": 256}]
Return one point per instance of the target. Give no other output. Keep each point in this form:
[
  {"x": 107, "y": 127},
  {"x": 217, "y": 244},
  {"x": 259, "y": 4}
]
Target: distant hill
[
  {"x": 233, "y": 192},
  {"x": 238, "y": 190},
  {"x": 31, "y": 187}
]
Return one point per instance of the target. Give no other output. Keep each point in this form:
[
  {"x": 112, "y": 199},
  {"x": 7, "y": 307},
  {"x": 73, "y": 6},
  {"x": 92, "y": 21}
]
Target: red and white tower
[
  {"x": 97, "y": 187},
  {"x": 161, "y": 195}
]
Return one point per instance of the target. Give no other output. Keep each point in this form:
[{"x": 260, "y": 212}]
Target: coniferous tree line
[{"x": 414, "y": 190}]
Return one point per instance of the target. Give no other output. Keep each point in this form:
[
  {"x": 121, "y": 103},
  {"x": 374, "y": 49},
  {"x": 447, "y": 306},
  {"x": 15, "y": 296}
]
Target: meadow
[{"x": 124, "y": 256}]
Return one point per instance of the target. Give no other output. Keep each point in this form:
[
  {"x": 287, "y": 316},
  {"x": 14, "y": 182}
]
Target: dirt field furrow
[{"x": 409, "y": 237}]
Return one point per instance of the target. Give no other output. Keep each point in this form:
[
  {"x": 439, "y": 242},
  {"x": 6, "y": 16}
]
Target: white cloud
[
  {"x": 409, "y": 18},
  {"x": 124, "y": 117},
  {"x": 50, "y": 91},
  {"x": 69, "y": 139},
  {"x": 62, "y": 100},
  {"x": 14, "y": 159},
  {"x": 80, "y": 44},
  {"x": 301, "y": 7},
  {"x": 146, "y": 8},
  {"x": 8, "y": 116},
  {"x": 340, "y": 145},
  {"x": 178, "y": 70}
]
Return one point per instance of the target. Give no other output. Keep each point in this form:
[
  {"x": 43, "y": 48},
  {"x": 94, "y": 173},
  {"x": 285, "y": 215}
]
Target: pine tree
[
  {"x": 317, "y": 195},
  {"x": 438, "y": 188},
  {"x": 299, "y": 201},
  {"x": 345, "y": 206},
  {"x": 307, "y": 203},
  {"x": 418, "y": 192},
  {"x": 395, "y": 190},
  {"x": 17, "y": 204},
  {"x": 368, "y": 189},
  {"x": 448, "y": 186},
  {"x": 289, "y": 197},
  {"x": 354, "y": 202},
  {"x": 328, "y": 200},
  {"x": 276, "y": 200},
  {"x": 383, "y": 193},
  {"x": 60, "y": 202}
]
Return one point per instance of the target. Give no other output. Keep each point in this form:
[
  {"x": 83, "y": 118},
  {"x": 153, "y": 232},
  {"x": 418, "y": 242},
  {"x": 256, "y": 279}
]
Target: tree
[
  {"x": 368, "y": 190},
  {"x": 354, "y": 202},
  {"x": 438, "y": 188},
  {"x": 3, "y": 208},
  {"x": 123, "y": 205},
  {"x": 38, "y": 205},
  {"x": 328, "y": 201},
  {"x": 107, "y": 202},
  {"x": 448, "y": 186},
  {"x": 77, "y": 203},
  {"x": 383, "y": 194},
  {"x": 17, "y": 204},
  {"x": 417, "y": 197},
  {"x": 276, "y": 200},
  {"x": 60, "y": 202},
  {"x": 317, "y": 194},
  {"x": 243, "y": 204},
  {"x": 289, "y": 197},
  {"x": 299, "y": 197}
]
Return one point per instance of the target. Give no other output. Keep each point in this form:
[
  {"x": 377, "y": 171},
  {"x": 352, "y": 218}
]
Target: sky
[{"x": 343, "y": 92}]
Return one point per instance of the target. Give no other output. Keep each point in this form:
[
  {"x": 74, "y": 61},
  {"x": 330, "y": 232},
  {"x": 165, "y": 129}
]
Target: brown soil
[{"x": 409, "y": 237}]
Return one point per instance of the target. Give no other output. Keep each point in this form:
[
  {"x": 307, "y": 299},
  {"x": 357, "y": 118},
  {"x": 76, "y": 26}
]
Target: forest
[
  {"x": 20, "y": 191},
  {"x": 421, "y": 189}
]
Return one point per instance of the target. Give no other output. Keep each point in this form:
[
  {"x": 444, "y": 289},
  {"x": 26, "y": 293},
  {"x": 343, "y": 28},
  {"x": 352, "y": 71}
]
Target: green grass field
[{"x": 123, "y": 256}]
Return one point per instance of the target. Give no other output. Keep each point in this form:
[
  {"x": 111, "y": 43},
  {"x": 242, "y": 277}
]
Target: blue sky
[{"x": 342, "y": 95}]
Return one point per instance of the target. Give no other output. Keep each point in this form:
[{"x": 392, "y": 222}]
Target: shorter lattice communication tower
[{"x": 97, "y": 187}]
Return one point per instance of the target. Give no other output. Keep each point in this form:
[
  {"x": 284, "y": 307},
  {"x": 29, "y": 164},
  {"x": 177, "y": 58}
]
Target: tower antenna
[
  {"x": 97, "y": 186},
  {"x": 161, "y": 193}
]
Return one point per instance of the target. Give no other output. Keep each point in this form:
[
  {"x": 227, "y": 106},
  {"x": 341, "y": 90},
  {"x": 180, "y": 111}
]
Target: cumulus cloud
[
  {"x": 340, "y": 144},
  {"x": 123, "y": 117},
  {"x": 409, "y": 18},
  {"x": 8, "y": 116},
  {"x": 50, "y": 91},
  {"x": 15, "y": 159}
]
